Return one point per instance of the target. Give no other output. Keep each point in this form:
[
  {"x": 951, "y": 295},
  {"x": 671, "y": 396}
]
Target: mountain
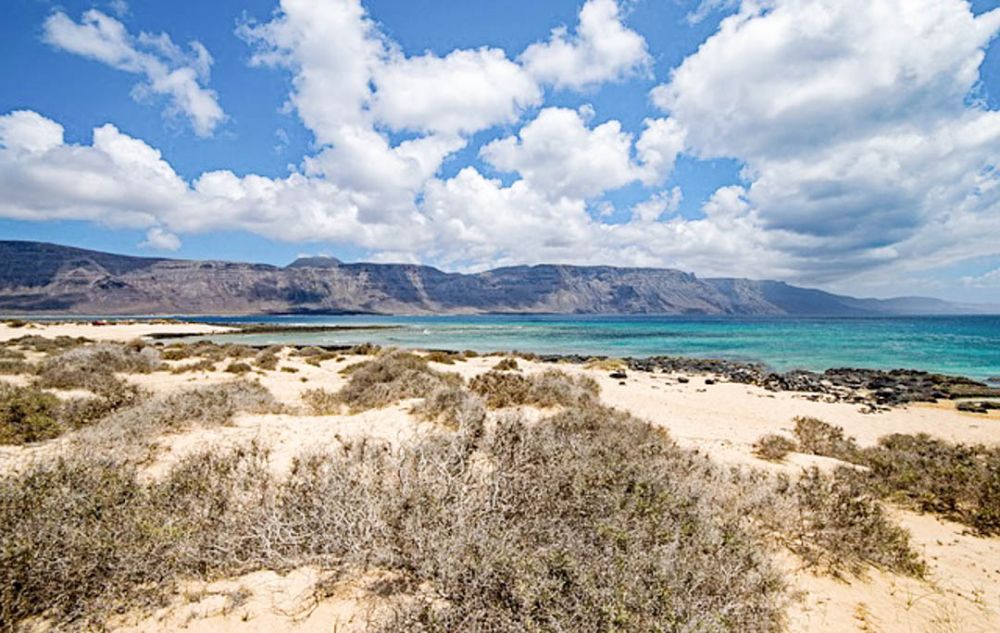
[{"x": 48, "y": 278}]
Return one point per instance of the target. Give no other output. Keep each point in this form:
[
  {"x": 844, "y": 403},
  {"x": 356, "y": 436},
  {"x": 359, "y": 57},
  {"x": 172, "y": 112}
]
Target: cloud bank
[{"x": 862, "y": 152}]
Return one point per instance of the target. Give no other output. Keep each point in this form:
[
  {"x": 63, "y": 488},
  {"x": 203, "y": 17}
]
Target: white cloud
[
  {"x": 160, "y": 240},
  {"x": 24, "y": 130},
  {"x": 990, "y": 279},
  {"x": 558, "y": 155},
  {"x": 461, "y": 93},
  {"x": 659, "y": 204},
  {"x": 167, "y": 70},
  {"x": 661, "y": 142},
  {"x": 602, "y": 49},
  {"x": 852, "y": 121}
]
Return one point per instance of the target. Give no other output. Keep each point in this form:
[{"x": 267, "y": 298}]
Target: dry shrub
[
  {"x": 506, "y": 364},
  {"x": 588, "y": 521},
  {"x": 267, "y": 359},
  {"x": 453, "y": 408},
  {"x": 205, "y": 364},
  {"x": 131, "y": 432},
  {"x": 840, "y": 525},
  {"x": 548, "y": 389},
  {"x": 93, "y": 367},
  {"x": 290, "y": 370},
  {"x": 774, "y": 448},
  {"x": 9, "y": 353},
  {"x": 958, "y": 481},
  {"x": 443, "y": 357},
  {"x": 46, "y": 345},
  {"x": 319, "y": 401},
  {"x": 238, "y": 368},
  {"x": 391, "y": 377},
  {"x": 12, "y": 366},
  {"x": 819, "y": 438},
  {"x": 27, "y": 415}
]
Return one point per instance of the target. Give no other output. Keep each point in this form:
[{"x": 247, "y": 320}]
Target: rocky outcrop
[{"x": 47, "y": 278}]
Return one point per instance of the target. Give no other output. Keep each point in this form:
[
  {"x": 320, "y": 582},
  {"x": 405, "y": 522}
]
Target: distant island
[{"x": 40, "y": 278}]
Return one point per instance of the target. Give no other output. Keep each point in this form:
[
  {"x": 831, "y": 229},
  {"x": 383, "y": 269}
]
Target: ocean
[{"x": 960, "y": 345}]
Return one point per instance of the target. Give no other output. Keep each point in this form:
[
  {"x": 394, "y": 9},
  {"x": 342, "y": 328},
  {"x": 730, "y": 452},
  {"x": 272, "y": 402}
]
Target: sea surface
[{"x": 964, "y": 345}]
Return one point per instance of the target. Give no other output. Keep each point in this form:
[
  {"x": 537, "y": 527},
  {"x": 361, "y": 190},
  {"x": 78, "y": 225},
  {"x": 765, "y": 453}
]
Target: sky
[{"x": 852, "y": 145}]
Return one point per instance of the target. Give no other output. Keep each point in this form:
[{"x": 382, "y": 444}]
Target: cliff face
[{"x": 37, "y": 277}]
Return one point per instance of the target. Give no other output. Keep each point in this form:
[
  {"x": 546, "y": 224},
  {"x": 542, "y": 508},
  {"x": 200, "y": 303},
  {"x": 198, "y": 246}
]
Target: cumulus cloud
[
  {"x": 463, "y": 92},
  {"x": 990, "y": 279},
  {"x": 557, "y": 154},
  {"x": 160, "y": 240},
  {"x": 167, "y": 70},
  {"x": 601, "y": 49},
  {"x": 852, "y": 120}
]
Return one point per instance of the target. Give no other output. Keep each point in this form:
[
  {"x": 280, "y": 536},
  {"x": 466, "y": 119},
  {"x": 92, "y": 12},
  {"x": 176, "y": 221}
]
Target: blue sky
[{"x": 815, "y": 142}]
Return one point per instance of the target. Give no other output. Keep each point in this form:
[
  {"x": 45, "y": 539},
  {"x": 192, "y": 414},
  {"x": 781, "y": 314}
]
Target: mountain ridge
[{"x": 40, "y": 277}]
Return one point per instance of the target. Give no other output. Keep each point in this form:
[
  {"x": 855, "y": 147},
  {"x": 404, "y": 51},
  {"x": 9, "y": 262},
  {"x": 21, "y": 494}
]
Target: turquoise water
[{"x": 968, "y": 345}]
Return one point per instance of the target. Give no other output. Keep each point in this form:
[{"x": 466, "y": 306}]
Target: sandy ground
[
  {"x": 115, "y": 332},
  {"x": 962, "y": 592}
]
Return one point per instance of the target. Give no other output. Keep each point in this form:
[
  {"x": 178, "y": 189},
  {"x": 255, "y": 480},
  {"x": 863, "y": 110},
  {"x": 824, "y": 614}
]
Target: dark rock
[
  {"x": 683, "y": 380},
  {"x": 709, "y": 381},
  {"x": 618, "y": 375}
]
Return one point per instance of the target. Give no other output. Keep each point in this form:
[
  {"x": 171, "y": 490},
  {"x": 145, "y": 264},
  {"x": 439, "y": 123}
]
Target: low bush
[
  {"x": 774, "y": 448},
  {"x": 589, "y": 521},
  {"x": 47, "y": 345},
  {"x": 27, "y": 415},
  {"x": 391, "y": 377},
  {"x": 453, "y": 407},
  {"x": 267, "y": 359},
  {"x": 819, "y": 438},
  {"x": 238, "y": 368},
  {"x": 13, "y": 366},
  {"x": 548, "y": 389},
  {"x": 841, "y": 526},
  {"x": 93, "y": 367},
  {"x": 506, "y": 364},
  {"x": 206, "y": 364},
  {"x": 322, "y": 402}
]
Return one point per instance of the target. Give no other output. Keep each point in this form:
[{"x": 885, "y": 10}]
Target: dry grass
[
  {"x": 238, "y": 368},
  {"x": 549, "y": 389},
  {"x": 452, "y": 407},
  {"x": 93, "y": 367}
]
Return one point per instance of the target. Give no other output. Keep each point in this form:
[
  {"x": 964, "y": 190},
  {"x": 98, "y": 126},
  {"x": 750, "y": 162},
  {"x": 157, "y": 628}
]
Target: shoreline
[{"x": 873, "y": 388}]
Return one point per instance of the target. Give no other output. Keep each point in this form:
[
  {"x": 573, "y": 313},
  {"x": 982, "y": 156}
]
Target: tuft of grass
[
  {"x": 93, "y": 367},
  {"x": 46, "y": 345},
  {"x": 391, "y": 377},
  {"x": 774, "y": 448},
  {"x": 549, "y": 389},
  {"x": 206, "y": 364}
]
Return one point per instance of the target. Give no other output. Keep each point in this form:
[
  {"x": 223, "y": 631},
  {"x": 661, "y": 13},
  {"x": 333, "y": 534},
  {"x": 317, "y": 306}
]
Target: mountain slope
[{"x": 39, "y": 277}]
